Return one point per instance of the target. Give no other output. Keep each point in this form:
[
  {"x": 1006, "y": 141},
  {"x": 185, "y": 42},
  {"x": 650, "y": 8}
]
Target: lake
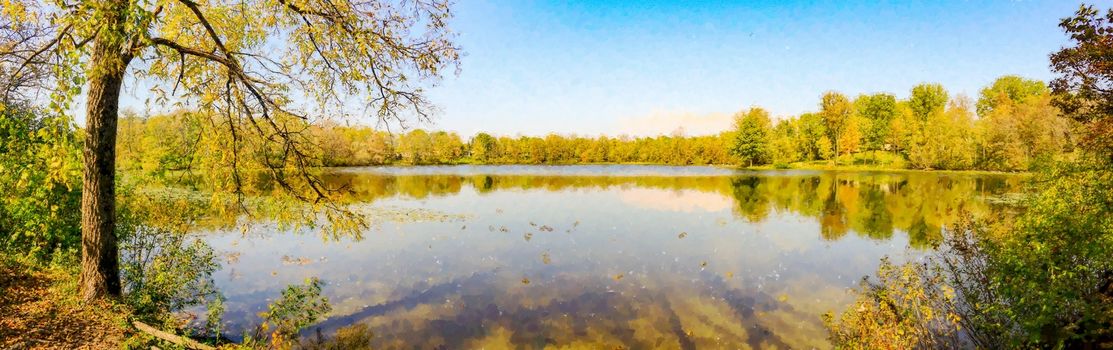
[{"x": 600, "y": 256}]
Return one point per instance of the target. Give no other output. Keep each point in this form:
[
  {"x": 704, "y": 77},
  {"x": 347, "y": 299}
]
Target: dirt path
[{"x": 35, "y": 313}]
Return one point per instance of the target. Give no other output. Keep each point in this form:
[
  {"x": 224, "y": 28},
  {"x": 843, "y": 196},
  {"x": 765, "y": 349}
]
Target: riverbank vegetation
[
  {"x": 1040, "y": 279},
  {"x": 1012, "y": 126}
]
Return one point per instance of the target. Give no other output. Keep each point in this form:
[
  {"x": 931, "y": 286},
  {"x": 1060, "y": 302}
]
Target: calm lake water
[{"x": 601, "y": 256}]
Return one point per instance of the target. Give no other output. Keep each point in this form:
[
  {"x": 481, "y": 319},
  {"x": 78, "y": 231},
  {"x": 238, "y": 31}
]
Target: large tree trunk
[{"x": 100, "y": 271}]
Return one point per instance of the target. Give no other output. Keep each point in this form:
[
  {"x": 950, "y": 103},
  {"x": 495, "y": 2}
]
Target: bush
[
  {"x": 40, "y": 183},
  {"x": 165, "y": 269},
  {"x": 1043, "y": 280},
  {"x": 299, "y": 306}
]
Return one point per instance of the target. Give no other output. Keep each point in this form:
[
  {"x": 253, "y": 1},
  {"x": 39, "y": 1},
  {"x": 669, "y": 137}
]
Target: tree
[
  {"x": 927, "y": 99},
  {"x": 836, "y": 111},
  {"x": 926, "y": 106},
  {"x": 1008, "y": 89},
  {"x": 1084, "y": 88},
  {"x": 784, "y": 148},
  {"x": 482, "y": 147},
  {"x": 812, "y": 133},
  {"x": 751, "y": 139},
  {"x": 878, "y": 111},
  {"x": 244, "y": 64}
]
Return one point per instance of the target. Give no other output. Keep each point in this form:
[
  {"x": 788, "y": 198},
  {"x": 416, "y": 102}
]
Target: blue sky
[{"x": 603, "y": 67}]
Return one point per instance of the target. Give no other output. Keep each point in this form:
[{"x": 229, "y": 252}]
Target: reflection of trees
[
  {"x": 872, "y": 205},
  {"x": 751, "y": 201}
]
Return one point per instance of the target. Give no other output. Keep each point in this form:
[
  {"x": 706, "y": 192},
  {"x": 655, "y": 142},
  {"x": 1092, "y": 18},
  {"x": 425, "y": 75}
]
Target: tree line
[{"x": 1011, "y": 127}]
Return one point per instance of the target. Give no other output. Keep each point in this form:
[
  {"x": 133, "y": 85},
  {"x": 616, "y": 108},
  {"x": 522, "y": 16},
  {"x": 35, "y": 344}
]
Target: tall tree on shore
[
  {"x": 926, "y": 105},
  {"x": 836, "y": 111},
  {"x": 751, "y": 139},
  {"x": 877, "y": 112},
  {"x": 247, "y": 64}
]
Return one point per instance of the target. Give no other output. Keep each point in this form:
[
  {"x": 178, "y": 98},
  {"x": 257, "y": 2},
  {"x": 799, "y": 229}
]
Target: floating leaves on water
[
  {"x": 232, "y": 257},
  {"x": 730, "y": 274},
  {"x": 532, "y": 224},
  {"x": 465, "y": 227},
  {"x": 682, "y": 235},
  {"x": 504, "y": 229},
  {"x": 546, "y": 228},
  {"x": 545, "y": 258},
  {"x": 289, "y": 260},
  {"x": 379, "y": 214},
  {"x": 525, "y": 280},
  {"x": 274, "y": 273},
  {"x": 528, "y": 236},
  {"x": 492, "y": 228},
  {"x": 783, "y": 298},
  {"x": 702, "y": 265},
  {"x": 618, "y": 277}
]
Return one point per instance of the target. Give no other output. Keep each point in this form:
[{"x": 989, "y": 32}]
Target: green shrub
[
  {"x": 40, "y": 183},
  {"x": 164, "y": 268}
]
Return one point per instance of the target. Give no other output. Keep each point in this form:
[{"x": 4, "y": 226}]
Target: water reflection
[
  {"x": 672, "y": 258},
  {"x": 872, "y": 204}
]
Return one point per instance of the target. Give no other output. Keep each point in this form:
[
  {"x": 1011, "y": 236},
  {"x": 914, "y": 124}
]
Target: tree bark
[{"x": 100, "y": 272}]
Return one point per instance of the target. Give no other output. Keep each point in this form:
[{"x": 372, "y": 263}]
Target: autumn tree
[
  {"x": 1010, "y": 89},
  {"x": 482, "y": 147},
  {"x": 1018, "y": 126},
  {"x": 926, "y": 105},
  {"x": 836, "y": 111},
  {"x": 1083, "y": 90},
  {"x": 258, "y": 70}
]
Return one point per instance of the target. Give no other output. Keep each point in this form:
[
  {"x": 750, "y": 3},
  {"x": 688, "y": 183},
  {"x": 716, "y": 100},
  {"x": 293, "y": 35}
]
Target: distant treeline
[{"x": 1011, "y": 127}]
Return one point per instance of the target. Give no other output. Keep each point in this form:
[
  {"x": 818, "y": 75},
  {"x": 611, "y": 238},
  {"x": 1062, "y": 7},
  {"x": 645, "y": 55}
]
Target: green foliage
[
  {"x": 878, "y": 111},
  {"x": 836, "y": 112},
  {"x": 1009, "y": 89},
  {"x": 163, "y": 267},
  {"x": 751, "y": 136},
  {"x": 298, "y": 307},
  {"x": 926, "y": 100},
  {"x": 482, "y": 147},
  {"x": 1041, "y": 279},
  {"x": 40, "y": 183},
  {"x": 1054, "y": 270},
  {"x": 930, "y": 130}
]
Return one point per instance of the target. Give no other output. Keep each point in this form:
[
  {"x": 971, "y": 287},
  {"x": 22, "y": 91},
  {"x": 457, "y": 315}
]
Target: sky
[
  {"x": 648, "y": 68},
  {"x": 610, "y": 67}
]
